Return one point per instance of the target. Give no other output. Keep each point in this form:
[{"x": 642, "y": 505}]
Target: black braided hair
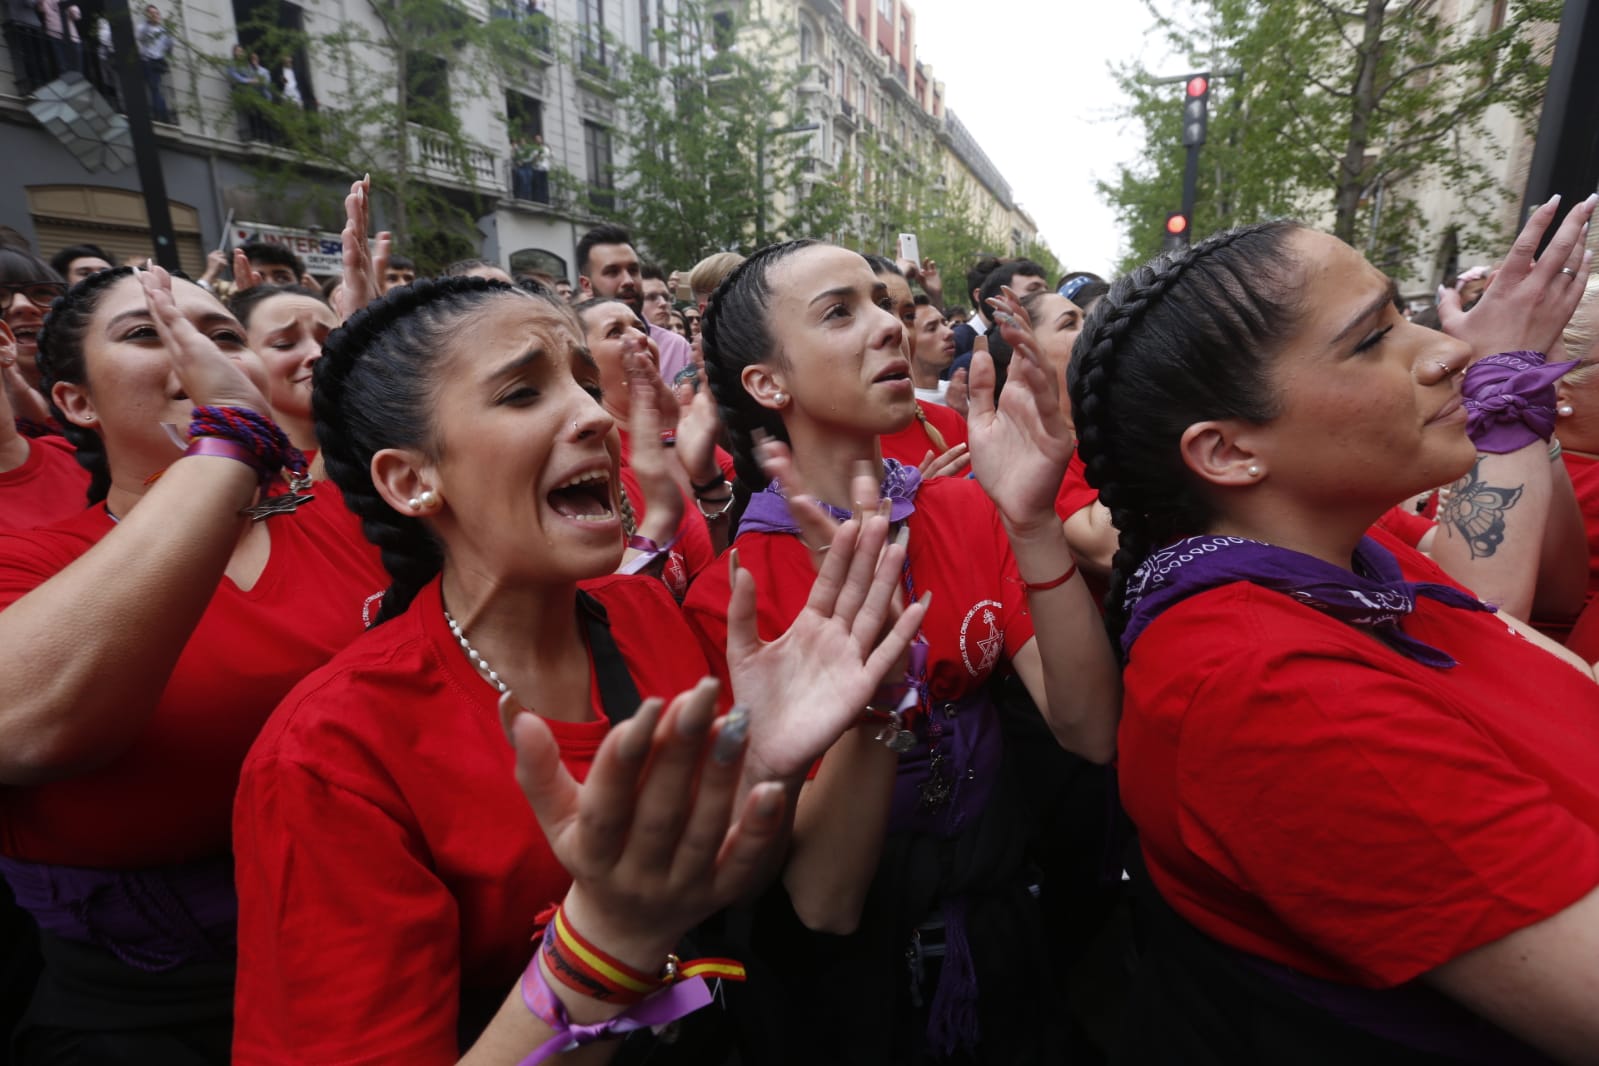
[
  {"x": 373, "y": 389},
  {"x": 734, "y": 334},
  {"x": 60, "y": 358},
  {"x": 1185, "y": 338}
]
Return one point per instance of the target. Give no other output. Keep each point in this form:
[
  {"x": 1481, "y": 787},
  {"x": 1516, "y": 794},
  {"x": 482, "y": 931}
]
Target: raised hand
[
  {"x": 698, "y": 426},
  {"x": 1528, "y": 301},
  {"x": 651, "y": 461},
  {"x": 933, "y": 282},
  {"x": 245, "y": 275},
  {"x": 958, "y": 396},
  {"x": 950, "y": 464},
  {"x": 816, "y": 525},
  {"x": 1022, "y": 443},
  {"x": 808, "y": 686},
  {"x": 363, "y": 268},
  {"x": 208, "y": 376},
  {"x": 651, "y": 838},
  {"x": 21, "y": 399}
]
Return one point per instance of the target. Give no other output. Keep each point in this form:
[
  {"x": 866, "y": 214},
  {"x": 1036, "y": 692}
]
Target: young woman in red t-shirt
[
  {"x": 147, "y": 639},
  {"x": 659, "y": 495},
  {"x": 1356, "y": 787},
  {"x": 801, "y": 344},
  {"x": 287, "y": 325},
  {"x": 391, "y": 873}
]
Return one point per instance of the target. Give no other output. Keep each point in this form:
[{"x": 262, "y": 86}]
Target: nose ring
[{"x": 1446, "y": 368}]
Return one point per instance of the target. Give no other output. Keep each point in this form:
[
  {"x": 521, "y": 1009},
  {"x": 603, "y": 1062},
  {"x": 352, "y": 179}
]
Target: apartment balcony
[
  {"x": 598, "y": 66},
  {"x": 846, "y": 116},
  {"x": 448, "y": 162}
]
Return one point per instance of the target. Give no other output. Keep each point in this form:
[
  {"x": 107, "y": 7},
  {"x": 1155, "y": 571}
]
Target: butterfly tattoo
[{"x": 1476, "y": 510}]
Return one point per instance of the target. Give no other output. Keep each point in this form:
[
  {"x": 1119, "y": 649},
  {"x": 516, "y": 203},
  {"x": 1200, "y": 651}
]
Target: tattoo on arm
[{"x": 1476, "y": 510}]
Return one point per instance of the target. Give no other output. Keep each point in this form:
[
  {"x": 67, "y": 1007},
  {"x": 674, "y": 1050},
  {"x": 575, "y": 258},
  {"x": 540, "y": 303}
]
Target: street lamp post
[{"x": 762, "y": 132}]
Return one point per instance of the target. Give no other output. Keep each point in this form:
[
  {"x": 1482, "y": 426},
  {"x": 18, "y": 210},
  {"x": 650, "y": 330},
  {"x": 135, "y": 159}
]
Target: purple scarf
[
  {"x": 1374, "y": 596},
  {"x": 767, "y": 511}
]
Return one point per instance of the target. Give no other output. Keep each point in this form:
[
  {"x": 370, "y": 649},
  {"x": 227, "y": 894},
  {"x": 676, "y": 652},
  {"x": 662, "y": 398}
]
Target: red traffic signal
[
  {"x": 1198, "y": 85},
  {"x": 1176, "y": 223}
]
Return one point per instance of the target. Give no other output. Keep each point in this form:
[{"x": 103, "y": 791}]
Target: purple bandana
[
  {"x": 768, "y": 509},
  {"x": 1510, "y": 400},
  {"x": 1374, "y": 596}
]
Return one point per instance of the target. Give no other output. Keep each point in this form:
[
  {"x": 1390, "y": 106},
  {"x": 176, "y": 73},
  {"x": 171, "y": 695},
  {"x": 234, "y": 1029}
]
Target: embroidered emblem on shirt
[{"x": 987, "y": 644}]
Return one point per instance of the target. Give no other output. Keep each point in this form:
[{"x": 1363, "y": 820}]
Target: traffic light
[
  {"x": 1196, "y": 109},
  {"x": 1176, "y": 236}
]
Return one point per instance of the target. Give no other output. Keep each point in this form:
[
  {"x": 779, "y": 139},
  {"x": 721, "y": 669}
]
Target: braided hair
[
  {"x": 1185, "y": 338},
  {"x": 734, "y": 334},
  {"x": 373, "y": 389},
  {"x": 60, "y": 358}
]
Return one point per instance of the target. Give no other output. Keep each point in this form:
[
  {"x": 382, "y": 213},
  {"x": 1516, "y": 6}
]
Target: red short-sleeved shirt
[
  {"x": 386, "y": 857},
  {"x": 1406, "y": 525},
  {"x": 1308, "y": 795},
  {"x": 168, "y": 797},
  {"x": 1584, "y": 471},
  {"x": 692, "y": 552},
  {"x": 1075, "y": 491},
  {"x": 48, "y": 487},
  {"x": 911, "y": 444},
  {"x": 957, "y": 548}
]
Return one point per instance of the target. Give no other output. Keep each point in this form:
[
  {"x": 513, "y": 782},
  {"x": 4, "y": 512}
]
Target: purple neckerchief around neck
[
  {"x": 1375, "y": 596},
  {"x": 768, "y": 509}
]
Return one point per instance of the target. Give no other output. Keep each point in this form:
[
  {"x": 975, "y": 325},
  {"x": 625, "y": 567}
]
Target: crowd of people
[{"x": 787, "y": 660}]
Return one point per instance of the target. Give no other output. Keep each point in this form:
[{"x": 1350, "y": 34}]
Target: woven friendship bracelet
[{"x": 264, "y": 447}]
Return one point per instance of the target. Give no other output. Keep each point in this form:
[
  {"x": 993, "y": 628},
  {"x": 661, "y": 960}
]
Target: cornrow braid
[
  {"x": 60, "y": 358},
  {"x": 734, "y": 334},
  {"x": 1185, "y": 338},
  {"x": 373, "y": 389}
]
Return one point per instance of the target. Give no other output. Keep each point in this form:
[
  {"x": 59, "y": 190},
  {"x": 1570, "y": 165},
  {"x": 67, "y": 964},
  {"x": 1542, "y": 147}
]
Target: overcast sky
[{"x": 1030, "y": 79}]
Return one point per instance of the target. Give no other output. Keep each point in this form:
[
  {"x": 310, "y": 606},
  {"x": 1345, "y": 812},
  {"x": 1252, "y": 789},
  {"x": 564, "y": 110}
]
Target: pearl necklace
[{"x": 471, "y": 653}]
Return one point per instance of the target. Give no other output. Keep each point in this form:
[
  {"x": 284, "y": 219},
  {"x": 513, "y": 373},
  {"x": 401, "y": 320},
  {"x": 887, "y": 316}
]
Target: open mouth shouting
[{"x": 586, "y": 497}]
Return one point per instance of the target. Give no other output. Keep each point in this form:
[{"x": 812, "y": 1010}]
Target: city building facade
[{"x": 866, "y": 82}]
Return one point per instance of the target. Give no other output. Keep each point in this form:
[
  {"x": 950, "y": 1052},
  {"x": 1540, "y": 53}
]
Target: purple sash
[
  {"x": 1374, "y": 596},
  {"x": 768, "y": 512},
  {"x": 154, "y": 919}
]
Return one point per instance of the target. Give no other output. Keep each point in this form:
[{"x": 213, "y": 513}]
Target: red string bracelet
[{"x": 1045, "y": 586}]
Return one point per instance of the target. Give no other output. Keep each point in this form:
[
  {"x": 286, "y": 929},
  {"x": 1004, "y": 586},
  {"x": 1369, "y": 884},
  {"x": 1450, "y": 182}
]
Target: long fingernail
[
  {"x": 732, "y": 564},
  {"x": 1553, "y": 200},
  {"x": 730, "y": 740},
  {"x": 903, "y": 537}
]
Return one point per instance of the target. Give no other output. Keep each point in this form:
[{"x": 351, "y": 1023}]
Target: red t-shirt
[
  {"x": 957, "y": 548},
  {"x": 168, "y": 797},
  {"x": 1306, "y": 794},
  {"x": 692, "y": 552},
  {"x": 911, "y": 444},
  {"x": 1406, "y": 525},
  {"x": 1584, "y": 472},
  {"x": 1075, "y": 491},
  {"x": 386, "y": 857},
  {"x": 48, "y": 487}
]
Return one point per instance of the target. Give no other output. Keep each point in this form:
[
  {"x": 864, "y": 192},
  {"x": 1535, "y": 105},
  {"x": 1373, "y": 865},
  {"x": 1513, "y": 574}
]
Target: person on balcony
[{"x": 154, "y": 42}]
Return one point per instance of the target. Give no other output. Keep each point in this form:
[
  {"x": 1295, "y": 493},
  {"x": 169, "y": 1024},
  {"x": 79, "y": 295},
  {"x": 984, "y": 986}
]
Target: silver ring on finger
[{"x": 1568, "y": 270}]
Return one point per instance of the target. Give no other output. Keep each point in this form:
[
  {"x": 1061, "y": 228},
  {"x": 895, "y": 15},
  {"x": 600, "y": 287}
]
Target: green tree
[
  {"x": 715, "y": 138},
  {"x": 1330, "y": 112},
  {"x": 405, "y": 68}
]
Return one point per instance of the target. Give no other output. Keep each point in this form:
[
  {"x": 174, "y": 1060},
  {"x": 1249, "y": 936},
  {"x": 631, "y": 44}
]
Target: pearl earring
[
  {"x": 425, "y": 501},
  {"x": 1252, "y": 470},
  {"x": 1565, "y": 409},
  {"x": 781, "y": 399}
]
